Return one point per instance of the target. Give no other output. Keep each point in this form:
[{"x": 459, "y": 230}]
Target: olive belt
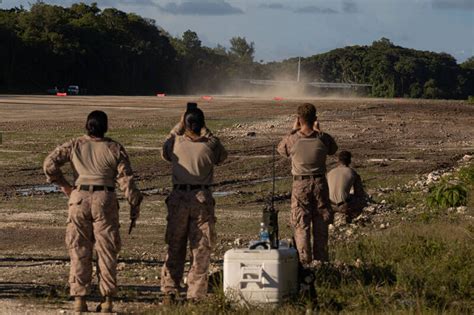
[
  {"x": 95, "y": 188},
  {"x": 187, "y": 187}
]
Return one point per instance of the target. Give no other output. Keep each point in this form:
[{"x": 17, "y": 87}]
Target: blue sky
[{"x": 289, "y": 28}]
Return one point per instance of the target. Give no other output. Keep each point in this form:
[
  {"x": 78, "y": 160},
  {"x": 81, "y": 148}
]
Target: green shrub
[
  {"x": 447, "y": 194},
  {"x": 470, "y": 99},
  {"x": 466, "y": 174}
]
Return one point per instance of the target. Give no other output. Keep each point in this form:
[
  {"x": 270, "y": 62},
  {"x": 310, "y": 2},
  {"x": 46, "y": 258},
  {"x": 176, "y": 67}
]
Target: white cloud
[{"x": 206, "y": 7}]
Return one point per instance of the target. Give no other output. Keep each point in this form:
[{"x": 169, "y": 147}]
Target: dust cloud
[{"x": 277, "y": 85}]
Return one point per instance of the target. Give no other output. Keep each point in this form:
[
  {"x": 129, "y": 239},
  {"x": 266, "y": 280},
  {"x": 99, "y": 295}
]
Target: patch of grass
[
  {"x": 35, "y": 203},
  {"x": 425, "y": 266},
  {"x": 217, "y": 124},
  {"x": 373, "y": 179},
  {"x": 429, "y": 215},
  {"x": 397, "y": 199},
  {"x": 263, "y": 189},
  {"x": 218, "y": 304},
  {"x": 20, "y": 159},
  {"x": 141, "y": 136},
  {"x": 466, "y": 174}
]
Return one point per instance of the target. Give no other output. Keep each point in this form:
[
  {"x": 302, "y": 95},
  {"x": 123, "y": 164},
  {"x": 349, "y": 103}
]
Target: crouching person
[
  {"x": 98, "y": 163},
  {"x": 190, "y": 206},
  {"x": 342, "y": 180}
]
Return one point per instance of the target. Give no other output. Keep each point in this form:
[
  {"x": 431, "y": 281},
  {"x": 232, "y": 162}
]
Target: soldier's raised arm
[
  {"x": 282, "y": 147},
  {"x": 127, "y": 183},
  {"x": 54, "y": 161},
  {"x": 330, "y": 143},
  {"x": 220, "y": 152},
  {"x": 285, "y": 145},
  {"x": 167, "y": 151},
  {"x": 177, "y": 130}
]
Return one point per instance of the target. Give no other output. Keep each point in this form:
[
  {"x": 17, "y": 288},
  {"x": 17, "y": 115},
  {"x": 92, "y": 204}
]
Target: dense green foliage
[
  {"x": 109, "y": 51},
  {"x": 393, "y": 71},
  {"x": 106, "y": 51}
]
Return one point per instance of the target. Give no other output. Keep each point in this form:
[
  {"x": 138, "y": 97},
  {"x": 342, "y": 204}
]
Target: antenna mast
[
  {"x": 273, "y": 176},
  {"x": 299, "y": 69}
]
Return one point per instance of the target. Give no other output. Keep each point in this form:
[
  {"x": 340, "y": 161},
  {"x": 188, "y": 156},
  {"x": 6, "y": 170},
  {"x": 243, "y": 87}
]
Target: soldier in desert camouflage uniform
[
  {"x": 98, "y": 163},
  {"x": 341, "y": 180},
  {"x": 311, "y": 211},
  {"x": 193, "y": 155}
]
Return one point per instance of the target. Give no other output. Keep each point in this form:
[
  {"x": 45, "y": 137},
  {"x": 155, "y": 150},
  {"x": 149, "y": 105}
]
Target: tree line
[
  {"x": 393, "y": 71},
  {"x": 112, "y": 52}
]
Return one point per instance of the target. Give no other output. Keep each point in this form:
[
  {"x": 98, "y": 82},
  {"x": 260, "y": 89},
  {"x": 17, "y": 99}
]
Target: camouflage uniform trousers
[
  {"x": 190, "y": 216},
  {"x": 350, "y": 209},
  {"x": 93, "y": 220},
  {"x": 311, "y": 214}
]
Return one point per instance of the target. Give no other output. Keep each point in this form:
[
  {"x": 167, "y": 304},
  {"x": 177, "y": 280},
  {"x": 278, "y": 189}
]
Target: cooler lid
[{"x": 259, "y": 254}]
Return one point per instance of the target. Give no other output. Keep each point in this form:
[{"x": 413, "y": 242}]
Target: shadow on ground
[{"x": 127, "y": 293}]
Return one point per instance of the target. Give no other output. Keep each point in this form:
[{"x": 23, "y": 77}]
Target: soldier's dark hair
[
  {"x": 307, "y": 113},
  {"x": 97, "y": 124},
  {"x": 344, "y": 157},
  {"x": 194, "y": 120}
]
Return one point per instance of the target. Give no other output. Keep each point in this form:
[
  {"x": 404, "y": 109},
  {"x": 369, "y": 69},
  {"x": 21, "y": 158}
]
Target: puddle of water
[
  {"x": 48, "y": 189},
  {"x": 39, "y": 189},
  {"x": 393, "y": 160},
  {"x": 224, "y": 193},
  {"x": 151, "y": 191},
  {"x": 251, "y": 156},
  {"x": 156, "y": 191}
]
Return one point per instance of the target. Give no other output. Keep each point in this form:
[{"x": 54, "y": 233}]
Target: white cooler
[{"x": 260, "y": 275}]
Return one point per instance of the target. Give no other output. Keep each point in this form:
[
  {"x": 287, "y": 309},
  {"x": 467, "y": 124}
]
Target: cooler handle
[{"x": 251, "y": 271}]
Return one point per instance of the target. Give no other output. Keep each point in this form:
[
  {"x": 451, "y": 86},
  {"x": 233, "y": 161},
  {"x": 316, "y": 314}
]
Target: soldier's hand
[
  {"x": 181, "y": 121},
  {"x": 296, "y": 124},
  {"x": 134, "y": 213},
  {"x": 133, "y": 223},
  {"x": 67, "y": 190},
  {"x": 316, "y": 126}
]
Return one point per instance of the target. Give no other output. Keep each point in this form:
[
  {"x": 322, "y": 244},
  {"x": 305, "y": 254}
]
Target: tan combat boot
[
  {"x": 169, "y": 299},
  {"x": 194, "y": 301},
  {"x": 80, "y": 304},
  {"x": 105, "y": 306}
]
